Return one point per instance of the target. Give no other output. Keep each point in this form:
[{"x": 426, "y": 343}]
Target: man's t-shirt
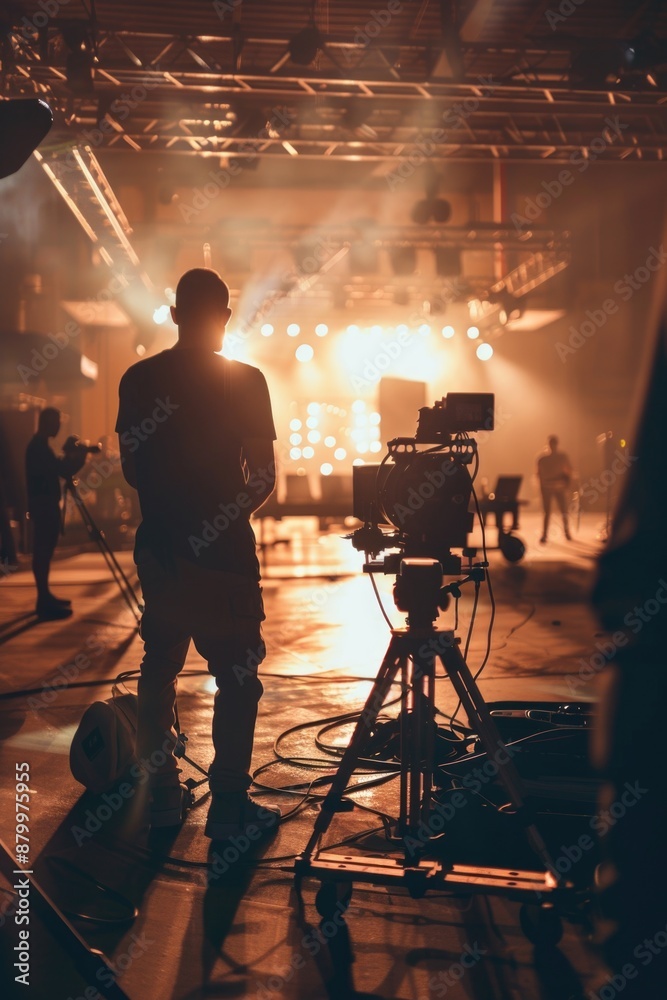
[
  {"x": 184, "y": 415},
  {"x": 554, "y": 470}
]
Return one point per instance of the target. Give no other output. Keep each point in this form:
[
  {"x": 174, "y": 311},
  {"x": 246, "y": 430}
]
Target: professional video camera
[
  {"x": 425, "y": 495},
  {"x": 75, "y": 446}
]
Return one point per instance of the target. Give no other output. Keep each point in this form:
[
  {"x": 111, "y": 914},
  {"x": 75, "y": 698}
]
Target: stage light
[
  {"x": 376, "y": 330},
  {"x": 308, "y": 452},
  {"x": 484, "y": 352},
  {"x": 313, "y": 409},
  {"x": 360, "y": 420},
  {"x": 304, "y": 352},
  {"x": 160, "y": 314},
  {"x": 340, "y": 454},
  {"x": 358, "y": 406},
  {"x": 140, "y": 349},
  {"x": 312, "y": 421},
  {"x": 374, "y": 418},
  {"x": 473, "y": 332},
  {"x": 374, "y": 432},
  {"x": 266, "y": 330},
  {"x": 424, "y": 329},
  {"x": 295, "y": 453},
  {"x": 402, "y": 328},
  {"x": 448, "y": 331},
  {"x": 362, "y": 447},
  {"x": 330, "y": 441},
  {"x": 326, "y": 468},
  {"x": 295, "y": 425},
  {"x": 295, "y": 439},
  {"x": 375, "y": 446},
  {"x": 314, "y": 436},
  {"x": 293, "y": 330},
  {"x": 358, "y": 461},
  {"x": 321, "y": 329},
  {"x": 353, "y": 328}
]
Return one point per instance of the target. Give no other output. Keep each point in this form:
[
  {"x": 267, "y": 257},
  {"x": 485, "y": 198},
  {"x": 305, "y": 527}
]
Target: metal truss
[{"x": 173, "y": 94}]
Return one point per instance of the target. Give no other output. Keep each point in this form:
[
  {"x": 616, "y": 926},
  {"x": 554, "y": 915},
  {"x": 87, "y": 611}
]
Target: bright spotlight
[
  {"x": 375, "y": 446},
  {"x": 304, "y": 352},
  {"x": 448, "y": 331},
  {"x": 308, "y": 452},
  {"x": 374, "y": 418},
  {"x": 295, "y": 453},
  {"x": 293, "y": 330},
  {"x": 266, "y": 330},
  {"x": 473, "y": 332},
  {"x": 295, "y": 439},
  {"x": 376, "y": 330},
  {"x": 353, "y": 328},
  {"x": 313, "y": 409},
  {"x": 295, "y": 425},
  {"x": 314, "y": 436},
  {"x": 326, "y": 468},
  {"x": 484, "y": 352},
  {"x": 401, "y": 328},
  {"x": 312, "y": 422},
  {"x": 358, "y": 406},
  {"x": 340, "y": 454},
  {"x": 330, "y": 441},
  {"x": 160, "y": 314},
  {"x": 321, "y": 329},
  {"x": 424, "y": 329}
]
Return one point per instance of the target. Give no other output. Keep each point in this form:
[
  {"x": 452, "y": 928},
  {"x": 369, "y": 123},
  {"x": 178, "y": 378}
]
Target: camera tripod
[
  {"x": 97, "y": 535},
  {"x": 412, "y": 654}
]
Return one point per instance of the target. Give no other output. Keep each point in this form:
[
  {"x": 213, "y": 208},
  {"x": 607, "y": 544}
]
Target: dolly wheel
[{"x": 541, "y": 924}]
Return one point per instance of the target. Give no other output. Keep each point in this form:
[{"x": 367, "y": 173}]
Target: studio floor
[{"x": 241, "y": 935}]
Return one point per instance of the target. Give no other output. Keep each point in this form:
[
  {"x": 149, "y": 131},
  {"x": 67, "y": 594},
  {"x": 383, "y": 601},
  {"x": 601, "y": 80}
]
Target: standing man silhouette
[
  {"x": 555, "y": 474},
  {"x": 44, "y": 470},
  {"x": 196, "y": 440}
]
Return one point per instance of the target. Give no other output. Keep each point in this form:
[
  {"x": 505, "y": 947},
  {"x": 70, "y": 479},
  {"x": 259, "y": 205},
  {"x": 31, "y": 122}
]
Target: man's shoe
[
  {"x": 50, "y": 611},
  {"x": 64, "y": 601},
  {"x": 232, "y": 814},
  {"x": 168, "y": 805}
]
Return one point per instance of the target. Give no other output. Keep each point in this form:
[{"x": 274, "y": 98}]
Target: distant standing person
[
  {"x": 555, "y": 474},
  {"x": 44, "y": 471}
]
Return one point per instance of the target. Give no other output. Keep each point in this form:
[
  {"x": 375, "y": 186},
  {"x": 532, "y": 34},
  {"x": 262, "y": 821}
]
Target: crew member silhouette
[
  {"x": 44, "y": 470},
  {"x": 196, "y": 439},
  {"x": 554, "y": 471}
]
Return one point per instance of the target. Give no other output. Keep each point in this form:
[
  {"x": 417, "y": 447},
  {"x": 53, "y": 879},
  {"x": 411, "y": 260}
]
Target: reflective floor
[{"x": 212, "y": 926}]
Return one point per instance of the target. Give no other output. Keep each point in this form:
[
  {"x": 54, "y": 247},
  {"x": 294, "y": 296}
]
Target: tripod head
[{"x": 419, "y": 590}]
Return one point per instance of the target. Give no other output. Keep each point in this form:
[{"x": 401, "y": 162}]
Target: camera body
[
  {"x": 425, "y": 495},
  {"x": 73, "y": 446}
]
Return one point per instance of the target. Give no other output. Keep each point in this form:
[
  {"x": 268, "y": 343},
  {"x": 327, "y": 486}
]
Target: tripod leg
[
  {"x": 371, "y": 710},
  {"x": 480, "y": 720}
]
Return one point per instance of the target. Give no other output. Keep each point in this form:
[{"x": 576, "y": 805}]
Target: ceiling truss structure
[{"x": 176, "y": 94}]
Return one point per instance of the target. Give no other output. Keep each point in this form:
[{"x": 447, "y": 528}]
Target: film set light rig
[{"x": 425, "y": 534}]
